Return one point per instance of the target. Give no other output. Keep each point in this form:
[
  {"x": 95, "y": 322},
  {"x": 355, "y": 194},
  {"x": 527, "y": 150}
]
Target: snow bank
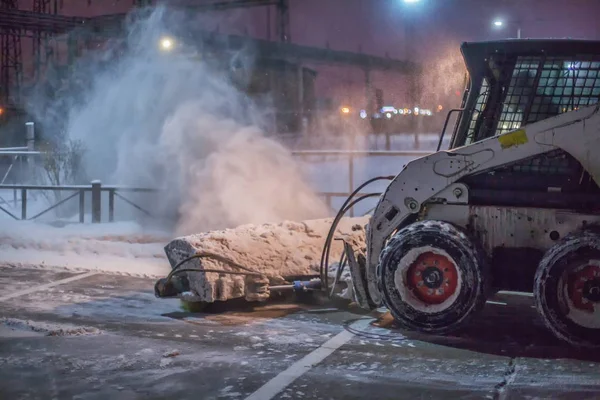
[
  {"x": 112, "y": 247},
  {"x": 276, "y": 250},
  {"x": 287, "y": 249}
]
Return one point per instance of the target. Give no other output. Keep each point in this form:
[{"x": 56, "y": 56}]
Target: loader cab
[{"x": 513, "y": 83}]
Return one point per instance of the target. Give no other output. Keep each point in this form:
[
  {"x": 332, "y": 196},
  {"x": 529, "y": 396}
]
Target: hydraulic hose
[
  {"x": 341, "y": 212},
  {"x": 330, "y": 236},
  {"x": 220, "y": 271},
  {"x": 245, "y": 271},
  {"x": 324, "y": 267}
]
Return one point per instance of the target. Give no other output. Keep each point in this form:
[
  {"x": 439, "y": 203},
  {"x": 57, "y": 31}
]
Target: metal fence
[
  {"x": 95, "y": 188},
  {"x": 21, "y": 196},
  {"x": 15, "y": 161},
  {"x": 351, "y": 156}
]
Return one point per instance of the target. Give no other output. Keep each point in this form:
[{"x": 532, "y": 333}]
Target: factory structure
[{"x": 39, "y": 43}]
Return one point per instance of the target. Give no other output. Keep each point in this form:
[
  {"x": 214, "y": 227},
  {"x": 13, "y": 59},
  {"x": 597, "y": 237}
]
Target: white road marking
[
  {"x": 47, "y": 286},
  {"x": 273, "y": 387},
  {"x": 499, "y": 303},
  {"x": 511, "y": 293}
]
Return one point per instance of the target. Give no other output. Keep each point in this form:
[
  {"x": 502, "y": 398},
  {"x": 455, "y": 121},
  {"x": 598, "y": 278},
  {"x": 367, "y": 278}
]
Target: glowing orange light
[
  {"x": 440, "y": 107},
  {"x": 1, "y": 110},
  {"x": 345, "y": 110}
]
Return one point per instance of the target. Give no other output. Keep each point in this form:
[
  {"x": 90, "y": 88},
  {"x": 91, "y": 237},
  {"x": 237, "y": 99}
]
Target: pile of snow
[
  {"x": 288, "y": 249},
  {"x": 120, "y": 247},
  {"x": 275, "y": 250}
]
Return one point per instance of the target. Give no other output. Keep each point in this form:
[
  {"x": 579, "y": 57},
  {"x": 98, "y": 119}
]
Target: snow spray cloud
[
  {"x": 163, "y": 117},
  {"x": 443, "y": 75}
]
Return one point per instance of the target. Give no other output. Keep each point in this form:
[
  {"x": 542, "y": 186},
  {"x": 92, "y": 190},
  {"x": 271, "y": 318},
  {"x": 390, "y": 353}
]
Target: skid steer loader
[{"x": 514, "y": 204}]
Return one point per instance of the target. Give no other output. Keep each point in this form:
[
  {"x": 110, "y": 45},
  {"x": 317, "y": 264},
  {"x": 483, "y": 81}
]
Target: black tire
[
  {"x": 552, "y": 297},
  {"x": 468, "y": 259}
]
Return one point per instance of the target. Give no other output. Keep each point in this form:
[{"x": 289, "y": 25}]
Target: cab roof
[
  {"x": 476, "y": 53},
  {"x": 534, "y": 46}
]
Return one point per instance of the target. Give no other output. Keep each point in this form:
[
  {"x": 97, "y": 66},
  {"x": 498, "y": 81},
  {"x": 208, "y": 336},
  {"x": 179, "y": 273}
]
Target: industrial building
[{"x": 39, "y": 42}]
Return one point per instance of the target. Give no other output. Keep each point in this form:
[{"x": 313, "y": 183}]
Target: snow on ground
[
  {"x": 122, "y": 247},
  {"x": 126, "y": 247}
]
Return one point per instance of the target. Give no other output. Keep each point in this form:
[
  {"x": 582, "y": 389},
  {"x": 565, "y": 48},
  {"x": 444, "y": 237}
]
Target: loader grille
[
  {"x": 541, "y": 88},
  {"x": 484, "y": 93}
]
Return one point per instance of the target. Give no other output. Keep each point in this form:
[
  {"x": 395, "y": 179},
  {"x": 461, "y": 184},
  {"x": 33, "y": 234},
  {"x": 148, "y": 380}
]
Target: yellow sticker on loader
[{"x": 513, "y": 139}]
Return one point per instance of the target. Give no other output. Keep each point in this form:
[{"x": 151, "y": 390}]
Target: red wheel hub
[
  {"x": 432, "y": 278},
  {"x": 583, "y": 287}
]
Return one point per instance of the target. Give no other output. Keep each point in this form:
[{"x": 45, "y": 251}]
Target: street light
[
  {"x": 166, "y": 43},
  {"x": 499, "y": 24}
]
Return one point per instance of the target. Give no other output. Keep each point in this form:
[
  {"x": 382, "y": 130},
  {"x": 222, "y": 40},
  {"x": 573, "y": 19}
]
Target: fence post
[
  {"x": 111, "y": 205},
  {"x": 81, "y": 205},
  {"x": 351, "y": 179},
  {"x": 30, "y": 137},
  {"x": 96, "y": 202},
  {"x": 23, "y": 204}
]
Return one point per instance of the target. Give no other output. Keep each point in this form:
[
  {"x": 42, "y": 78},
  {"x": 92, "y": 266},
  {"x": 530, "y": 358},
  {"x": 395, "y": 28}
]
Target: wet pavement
[{"x": 103, "y": 336}]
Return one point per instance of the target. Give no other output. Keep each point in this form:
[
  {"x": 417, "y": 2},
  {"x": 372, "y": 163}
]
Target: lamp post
[
  {"x": 500, "y": 23},
  {"x": 409, "y": 54}
]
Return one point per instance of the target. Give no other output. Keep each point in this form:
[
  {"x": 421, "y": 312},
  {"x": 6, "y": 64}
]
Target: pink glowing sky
[{"x": 377, "y": 27}]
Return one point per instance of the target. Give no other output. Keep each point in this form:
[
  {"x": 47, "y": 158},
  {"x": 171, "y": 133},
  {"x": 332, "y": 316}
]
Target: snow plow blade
[{"x": 245, "y": 262}]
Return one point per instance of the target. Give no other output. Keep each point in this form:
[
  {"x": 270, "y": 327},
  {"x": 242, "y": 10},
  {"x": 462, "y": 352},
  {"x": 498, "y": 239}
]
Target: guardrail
[
  {"x": 352, "y": 155},
  {"x": 96, "y": 190},
  {"x": 20, "y": 157},
  {"x": 22, "y": 148},
  {"x": 19, "y": 153}
]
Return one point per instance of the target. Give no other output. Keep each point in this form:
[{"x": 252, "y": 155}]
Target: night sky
[{"x": 377, "y": 27}]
